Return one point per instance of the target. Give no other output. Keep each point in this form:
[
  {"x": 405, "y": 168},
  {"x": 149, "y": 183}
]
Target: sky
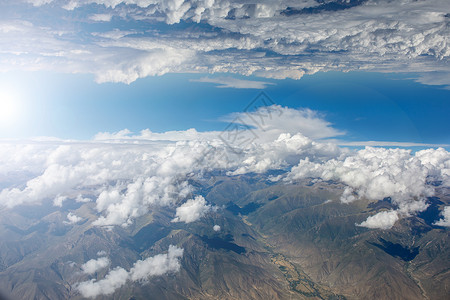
[
  {"x": 133, "y": 97},
  {"x": 378, "y": 71}
]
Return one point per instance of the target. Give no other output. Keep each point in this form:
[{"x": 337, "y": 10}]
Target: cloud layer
[
  {"x": 126, "y": 175},
  {"x": 273, "y": 39}
]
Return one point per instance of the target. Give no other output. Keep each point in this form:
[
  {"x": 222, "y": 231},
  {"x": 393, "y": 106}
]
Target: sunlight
[{"x": 9, "y": 106}]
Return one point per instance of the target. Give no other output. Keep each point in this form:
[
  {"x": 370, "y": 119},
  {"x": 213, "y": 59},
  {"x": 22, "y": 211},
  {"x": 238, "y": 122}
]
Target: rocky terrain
[{"x": 276, "y": 241}]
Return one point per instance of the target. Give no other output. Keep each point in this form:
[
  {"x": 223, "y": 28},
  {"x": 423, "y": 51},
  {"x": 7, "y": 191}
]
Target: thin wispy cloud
[{"x": 230, "y": 82}]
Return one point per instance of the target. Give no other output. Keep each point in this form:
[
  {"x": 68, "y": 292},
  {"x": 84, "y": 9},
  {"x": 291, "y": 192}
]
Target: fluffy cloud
[
  {"x": 270, "y": 121},
  {"x": 157, "y": 265},
  {"x": 216, "y": 228},
  {"x": 376, "y": 173},
  {"x": 143, "y": 269},
  {"x": 192, "y": 210},
  {"x": 93, "y": 265},
  {"x": 382, "y": 220},
  {"x": 274, "y": 39},
  {"x": 445, "y": 221},
  {"x": 112, "y": 281},
  {"x": 286, "y": 150},
  {"x": 261, "y": 122},
  {"x": 72, "y": 219},
  {"x": 126, "y": 175}
]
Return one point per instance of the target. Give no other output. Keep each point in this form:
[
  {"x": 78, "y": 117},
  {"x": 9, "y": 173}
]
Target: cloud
[
  {"x": 39, "y": 2},
  {"x": 192, "y": 210},
  {"x": 94, "y": 265},
  {"x": 388, "y": 144},
  {"x": 262, "y": 122},
  {"x": 106, "y": 286},
  {"x": 283, "y": 152},
  {"x": 125, "y": 175},
  {"x": 268, "y": 122},
  {"x": 216, "y": 228},
  {"x": 157, "y": 265},
  {"x": 382, "y": 220},
  {"x": 230, "y": 82},
  {"x": 101, "y": 17},
  {"x": 143, "y": 269},
  {"x": 59, "y": 200},
  {"x": 377, "y": 173},
  {"x": 73, "y": 219},
  {"x": 445, "y": 221},
  {"x": 272, "y": 39}
]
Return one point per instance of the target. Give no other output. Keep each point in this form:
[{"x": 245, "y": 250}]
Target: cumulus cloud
[
  {"x": 143, "y": 269},
  {"x": 72, "y": 219},
  {"x": 106, "y": 286},
  {"x": 273, "y": 39},
  {"x": 157, "y": 265},
  {"x": 445, "y": 220},
  {"x": 126, "y": 174},
  {"x": 192, "y": 210},
  {"x": 377, "y": 173},
  {"x": 273, "y": 120},
  {"x": 93, "y": 265},
  {"x": 382, "y": 220},
  {"x": 261, "y": 122},
  {"x": 216, "y": 228}
]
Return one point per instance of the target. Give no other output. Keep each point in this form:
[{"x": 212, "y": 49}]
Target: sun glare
[{"x": 9, "y": 106}]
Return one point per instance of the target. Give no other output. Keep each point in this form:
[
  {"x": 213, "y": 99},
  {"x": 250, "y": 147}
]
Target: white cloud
[
  {"x": 157, "y": 265},
  {"x": 39, "y": 2},
  {"x": 73, "y": 218},
  {"x": 101, "y": 17},
  {"x": 125, "y": 175},
  {"x": 143, "y": 269},
  {"x": 216, "y": 228},
  {"x": 388, "y": 144},
  {"x": 382, "y": 220},
  {"x": 59, "y": 200},
  {"x": 93, "y": 265},
  {"x": 251, "y": 39},
  {"x": 230, "y": 82},
  {"x": 273, "y": 120},
  {"x": 192, "y": 210},
  {"x": 445, "y": 221},
  {"x": 106, "y": 286},
  {"x": 348, "y": 195},
  {"x": 376, "y": 173}
]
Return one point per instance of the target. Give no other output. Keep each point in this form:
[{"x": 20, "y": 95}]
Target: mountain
[{"x": 276, "y": 241}]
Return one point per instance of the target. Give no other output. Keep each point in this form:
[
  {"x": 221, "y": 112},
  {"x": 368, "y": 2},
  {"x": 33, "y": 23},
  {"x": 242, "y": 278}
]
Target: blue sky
[
  {"x": 377, "y": 70},
  {"x": 367, "y": 106}
]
